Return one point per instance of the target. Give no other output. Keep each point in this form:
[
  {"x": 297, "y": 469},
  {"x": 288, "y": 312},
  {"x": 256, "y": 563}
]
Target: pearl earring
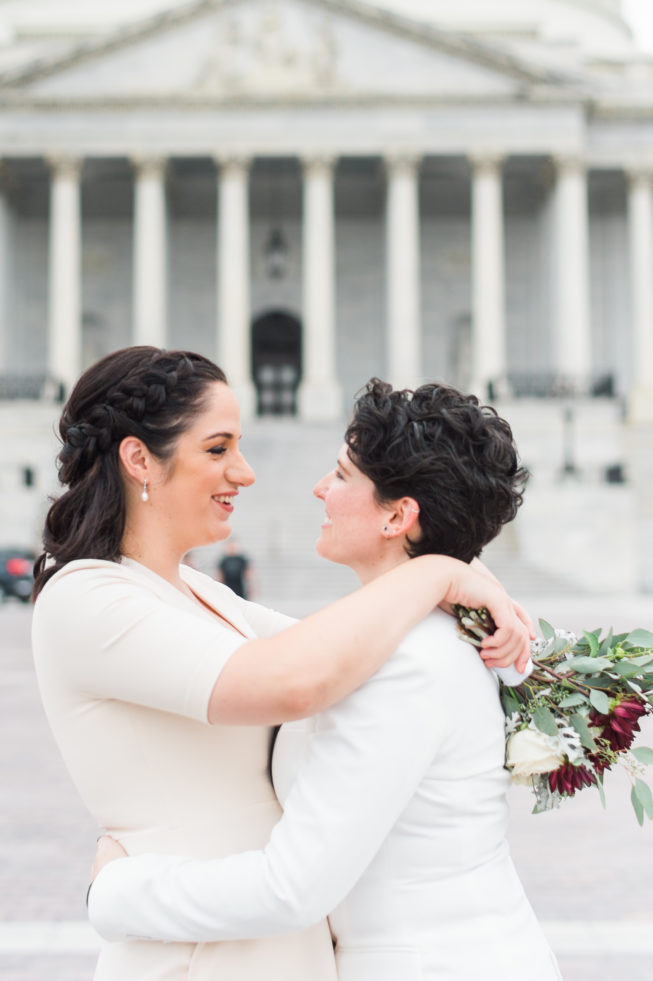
[{"x": 144, "y": 493}]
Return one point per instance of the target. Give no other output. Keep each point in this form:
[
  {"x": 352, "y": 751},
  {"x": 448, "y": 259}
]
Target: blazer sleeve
[
  {"x": 366, "y": 760},
  {"x": 96, "y": 632}
]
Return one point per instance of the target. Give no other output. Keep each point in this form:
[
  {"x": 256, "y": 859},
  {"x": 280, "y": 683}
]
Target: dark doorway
[{"x": 276, "y": 362}]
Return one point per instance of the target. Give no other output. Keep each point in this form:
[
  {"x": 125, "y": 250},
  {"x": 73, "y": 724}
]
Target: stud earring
[
  {"x": 144, "y": 493},
  {"x": 385, "y": 530}
]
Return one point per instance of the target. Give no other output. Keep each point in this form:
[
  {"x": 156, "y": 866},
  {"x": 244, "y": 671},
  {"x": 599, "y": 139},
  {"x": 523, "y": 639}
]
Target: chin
[
  {"x": 217, "y": 535},
  {"x": 325, "y": 552},
  {"x": 322, "y": 549}
]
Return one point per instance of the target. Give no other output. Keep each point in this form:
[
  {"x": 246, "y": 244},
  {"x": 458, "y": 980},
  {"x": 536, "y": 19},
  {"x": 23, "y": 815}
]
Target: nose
[
  {"x": 321, "y": 487},
  {"x": 240, "y": 472}
]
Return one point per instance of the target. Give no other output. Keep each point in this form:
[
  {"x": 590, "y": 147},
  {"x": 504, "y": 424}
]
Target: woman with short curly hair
[{"x": 394, "y": 799}]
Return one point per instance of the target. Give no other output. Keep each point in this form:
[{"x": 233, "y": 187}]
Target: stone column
[
  {"x": 150, "y": 277},
  {"x": 640, "y": 220},
  {"x": 64, "y": 300},
  {"x": 5, "y": 272},
  {"x": 233, "y": 273},
  {"x": 489, "y": 376},
  {"x": 639, "y": 433},
  {"x": 571, "y": 288},
  {"x": 404, "y": 355},
  {"x": 319, "y": 393}
]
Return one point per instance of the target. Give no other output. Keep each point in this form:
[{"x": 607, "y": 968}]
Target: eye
[
  {"x": 217, "y": 450},
  {"x": 339, "y": 474}
]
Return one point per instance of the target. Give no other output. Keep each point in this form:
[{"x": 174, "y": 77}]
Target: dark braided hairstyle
[
  {"x": 455, "y": 457},
  {"x": 138, "y": 391}
]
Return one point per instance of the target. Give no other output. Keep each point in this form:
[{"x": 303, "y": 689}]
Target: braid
[{"x": 139, "y": 391}]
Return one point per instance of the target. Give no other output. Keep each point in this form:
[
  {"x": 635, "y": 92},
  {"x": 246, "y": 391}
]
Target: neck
[
  {"x": 155, "y": 552},
  {"x": 367, "y": 572}
]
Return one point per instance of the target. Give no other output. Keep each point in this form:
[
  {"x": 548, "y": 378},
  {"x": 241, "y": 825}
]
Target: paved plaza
[{"x": 587, "y": 871}]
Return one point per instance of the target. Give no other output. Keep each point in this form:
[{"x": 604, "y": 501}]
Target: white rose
[{"x": 530, "y": 751}]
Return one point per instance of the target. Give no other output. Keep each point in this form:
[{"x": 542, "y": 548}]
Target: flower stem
[{"x": 560, "y": 677}]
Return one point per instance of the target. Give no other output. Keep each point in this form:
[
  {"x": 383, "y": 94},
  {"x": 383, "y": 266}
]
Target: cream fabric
[
  {"x": 395, "y": 821},
  {"x": 126, "y": 664}
]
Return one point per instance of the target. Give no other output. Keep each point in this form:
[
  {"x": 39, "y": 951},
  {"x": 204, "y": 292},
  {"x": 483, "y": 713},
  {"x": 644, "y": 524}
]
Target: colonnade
[{"x": 319, "y": 395}]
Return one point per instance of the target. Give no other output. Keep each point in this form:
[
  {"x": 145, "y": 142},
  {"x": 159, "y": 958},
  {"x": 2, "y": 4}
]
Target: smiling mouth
[{"x": 226, "y": 500}]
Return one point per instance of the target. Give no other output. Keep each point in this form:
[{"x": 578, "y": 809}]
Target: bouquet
[{"x": 577, "y": 713}]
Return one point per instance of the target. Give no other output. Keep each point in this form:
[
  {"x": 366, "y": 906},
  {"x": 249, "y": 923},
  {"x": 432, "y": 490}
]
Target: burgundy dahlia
[
  {"x": 618, "y": 728},
  {"x": 568, "y": 778}
]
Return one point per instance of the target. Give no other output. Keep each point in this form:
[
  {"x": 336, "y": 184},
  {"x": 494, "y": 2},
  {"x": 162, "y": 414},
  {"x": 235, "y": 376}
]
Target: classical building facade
[{"x": 315, "y": 191}]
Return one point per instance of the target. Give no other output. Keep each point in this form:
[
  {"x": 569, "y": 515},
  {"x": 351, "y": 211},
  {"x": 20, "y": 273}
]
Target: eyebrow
[
  {"x": 343, "y": 466},
  {"x": 219, "y": 435}
]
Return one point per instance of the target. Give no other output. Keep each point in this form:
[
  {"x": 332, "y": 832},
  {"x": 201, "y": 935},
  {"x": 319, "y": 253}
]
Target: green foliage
[
  {"x": 548, "y": 631},
  {"x": 545, "y": 721},
  {"x": 583, "y": 730},
  {"x": 640, "y": 638},
  {"x": 600, "y": 701}
]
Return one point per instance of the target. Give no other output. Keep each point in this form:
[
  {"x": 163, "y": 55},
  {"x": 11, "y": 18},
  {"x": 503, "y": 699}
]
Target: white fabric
[
  {"x": 395, "y": 823},
  {"x": 126, "y": 664}
]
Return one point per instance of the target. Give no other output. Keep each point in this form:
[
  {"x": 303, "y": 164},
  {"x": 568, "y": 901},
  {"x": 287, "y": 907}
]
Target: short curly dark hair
[{"x": 455, "y": 457}]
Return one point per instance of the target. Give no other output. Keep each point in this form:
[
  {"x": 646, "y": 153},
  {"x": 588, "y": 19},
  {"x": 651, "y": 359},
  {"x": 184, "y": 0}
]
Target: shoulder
[
  {"x": 434, "y": 643},
  {"x": 435, "y": 653},
  {"x": 87, "y": 589},
  {"x": 79, "y": 576}
]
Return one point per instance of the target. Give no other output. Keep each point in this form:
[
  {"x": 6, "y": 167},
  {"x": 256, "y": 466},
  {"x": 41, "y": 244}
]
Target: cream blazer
[{"x": 126, "y": 664}]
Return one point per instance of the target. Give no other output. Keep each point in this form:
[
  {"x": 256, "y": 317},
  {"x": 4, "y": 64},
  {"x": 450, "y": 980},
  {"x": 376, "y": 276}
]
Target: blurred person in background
[{"x": 235, "y": 571}]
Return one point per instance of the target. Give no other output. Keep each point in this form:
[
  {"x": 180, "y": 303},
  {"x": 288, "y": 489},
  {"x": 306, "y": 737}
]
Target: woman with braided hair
[{"x": 158, "y": 682}]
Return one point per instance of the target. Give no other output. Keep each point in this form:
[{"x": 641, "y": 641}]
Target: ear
[
  {"x": 403, "y": 515},
  {"x": 135, "y": 459}
]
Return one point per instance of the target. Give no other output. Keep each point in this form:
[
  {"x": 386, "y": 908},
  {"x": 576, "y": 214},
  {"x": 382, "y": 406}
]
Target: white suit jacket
[{"x": 395, "y": 825}]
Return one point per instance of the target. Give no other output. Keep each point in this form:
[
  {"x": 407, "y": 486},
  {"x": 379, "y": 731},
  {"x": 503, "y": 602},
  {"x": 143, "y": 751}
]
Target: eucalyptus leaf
[
  {"x": 571, "y": 700},
  {"x": 588, "y": 665},
  {"x": 637, "y": 806},
  {"x": 599, "y": 787},
  {"x": 645, "y": 796},
  {"x": 606, "y": 643},
  {"x": 600, "y": 701},
  {"x": 547, "y": 630},
  {"x": 642, "y": 659},
  {"x": 583, "y": 730},
  {"x": 593, "y": 642},
  {"x": 545, "y": 721},
  {"x": 643, "y": 754},
  {"x": 640, "y": 638},
  {"x": 627, "y": 669},
  {"x": 603, "y": 681},
  {"x": 510, "y": 704}
]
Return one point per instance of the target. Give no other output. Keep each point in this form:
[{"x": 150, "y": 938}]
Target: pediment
[{"x": 277, "y": 50}]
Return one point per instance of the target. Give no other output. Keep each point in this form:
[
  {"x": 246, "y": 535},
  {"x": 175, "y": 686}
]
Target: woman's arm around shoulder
[{"x": 316, "y": 662}]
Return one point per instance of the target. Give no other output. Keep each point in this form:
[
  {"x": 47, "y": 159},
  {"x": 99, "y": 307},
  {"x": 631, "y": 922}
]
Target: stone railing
[{"x": 31, "y": 387}]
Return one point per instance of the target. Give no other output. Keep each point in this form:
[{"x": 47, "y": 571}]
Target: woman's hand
[
  {"x": 108, "y": 849},
  {"x": 510, "y": 644}
]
